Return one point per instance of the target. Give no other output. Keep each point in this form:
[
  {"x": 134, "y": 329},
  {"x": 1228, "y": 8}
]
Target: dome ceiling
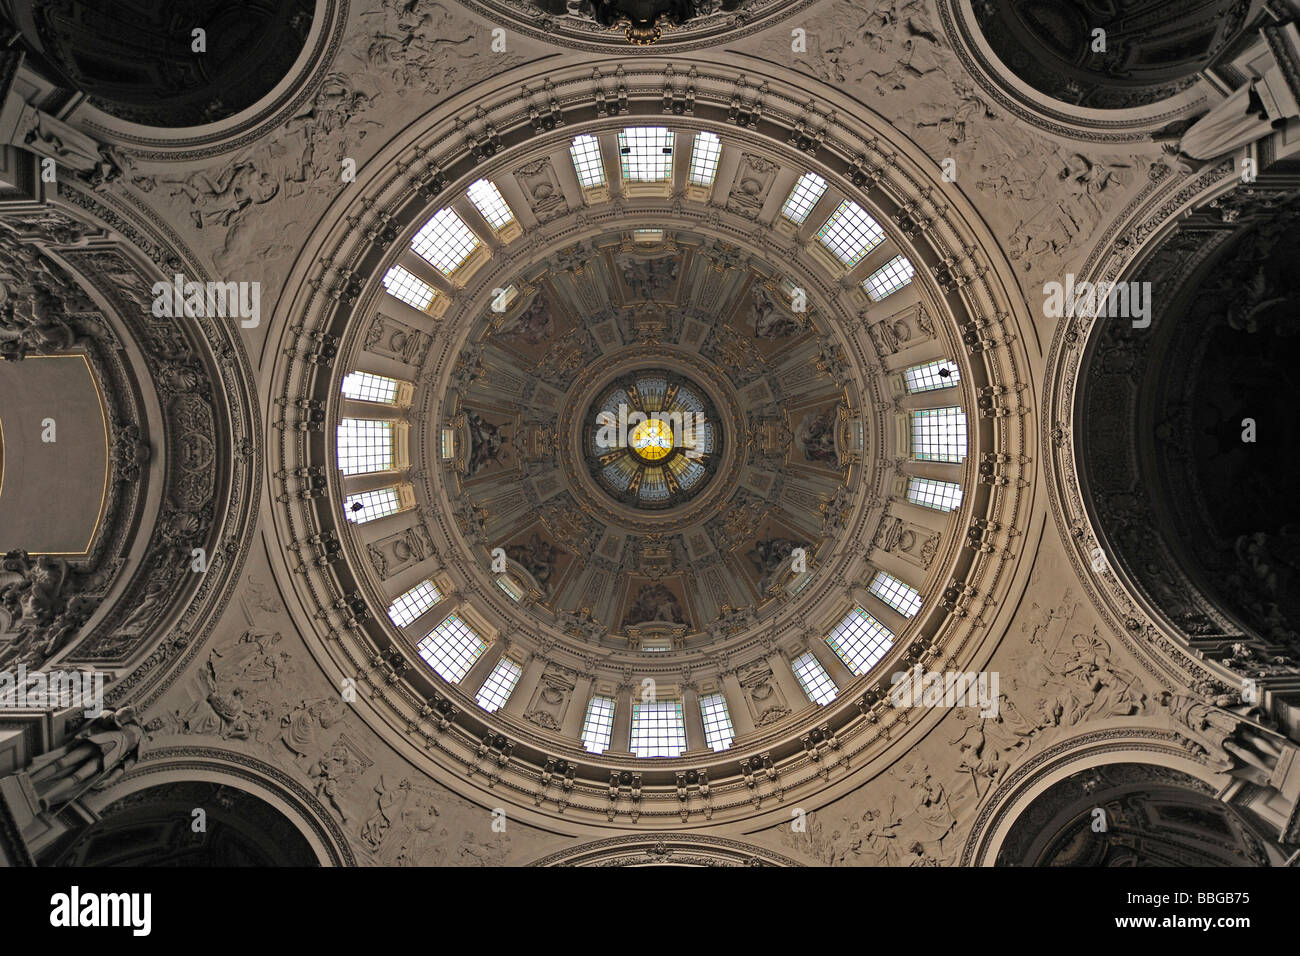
[
  {"x": 633, "y": 421},
  {"x": 834, "y": 323},
  {"x": 150, "y": 63},
  {"x": 653, "y": 539},
  {"x": 1104, "y": 55}
]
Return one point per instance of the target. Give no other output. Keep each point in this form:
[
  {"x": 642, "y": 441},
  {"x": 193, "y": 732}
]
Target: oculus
[{"x": 652, "y": 439}]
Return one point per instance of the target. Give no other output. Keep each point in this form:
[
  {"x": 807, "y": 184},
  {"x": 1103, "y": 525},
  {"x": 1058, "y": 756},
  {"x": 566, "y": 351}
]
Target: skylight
[
  {"x": 860, "y": 641},
  {"x": 445, "y": 242},
  {"x": 365, "y": 446},
  {"x": 658, "y": 728},
  {"x": 487, "y": 199},
  {"x": 889, "y": 278},
  {"x": 598, "y": 726},
  {"x": 718, "y": 731},
  {"x": 410, "y": 605},
  {"x": 451, "y": 649},
  {"x": 939, "y": 434},
  {"x": 814, "y": 680},
  {"x": 414, "y": 291},
  {"x": 587, "y": 163},
  {"x": 931, "y": 375},
  {"x": 805, "y": 195},
  {"x": 850, "y": 233},
  {"x": 646, "y": 154},
  {"x": 902, "y": 598},
  {"x": 939, "y": 495},
  {"x": 369, "y": 505},
  {"x": 705, "y": 155},
  {"x": 496, "y": 690},
  {"x": 366, "y": 387}
]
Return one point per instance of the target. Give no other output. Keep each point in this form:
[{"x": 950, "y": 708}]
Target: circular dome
[
  {"x": 858, "y": 506},
  {"x": 1103, "y": 55},
  {"x": 663, "y": 442},
  {"x": 159, "y": 66}
]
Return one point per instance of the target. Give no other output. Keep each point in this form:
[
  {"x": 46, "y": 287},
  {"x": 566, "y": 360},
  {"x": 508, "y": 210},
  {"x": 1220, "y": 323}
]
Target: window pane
[
  {"x": 445, "y": 241},
  {"x": 860, "y": 641},
  {"x": 646, "y": 153},
  {"x": 814, "y": 680},
  {"x": 598, "y": 727},
  {"x": 451, "y": 649},
  {"x": 365, "y": 445},
  {"x": 932, "y": 375},
  {"x": 369, "y": 505},
  {"x": 511, "y": 588},
  {"x": 587, "y": 162},
  {"x": 939, "y": 495},
  {"x": 717, "y": 721},
  {"x": 939, "y": 434},
  {"x": 410, "y": 605},
  {"x": 413, "y": 291},
  {"x": 365, "y": 387},
  {"x": 496, "y": 690},
  {"x": 889, "y": 278},
  {"x": 704, "y": 159},
  {"x": 806, "y": 193},
  {"x": 658, "y": 729},
  {"x": 902, "y": 598},
  {"x": 850, "y": 233},
  {"x": 487, "y": 199}
]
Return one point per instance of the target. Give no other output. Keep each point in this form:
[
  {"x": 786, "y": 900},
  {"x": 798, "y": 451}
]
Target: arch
[
  {"x": 194, "y": 76},
  {"x": 1113, "y": 743},
  {"x": 269, "y": 785},
  {"x": 1165, "y": 429},
  {"x": 1130, "y": 112},
  {"x": 666, "y": 849}
]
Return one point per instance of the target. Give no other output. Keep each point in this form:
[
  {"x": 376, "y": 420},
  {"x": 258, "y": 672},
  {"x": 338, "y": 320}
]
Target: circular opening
[{"x": 652, "y": 439}]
